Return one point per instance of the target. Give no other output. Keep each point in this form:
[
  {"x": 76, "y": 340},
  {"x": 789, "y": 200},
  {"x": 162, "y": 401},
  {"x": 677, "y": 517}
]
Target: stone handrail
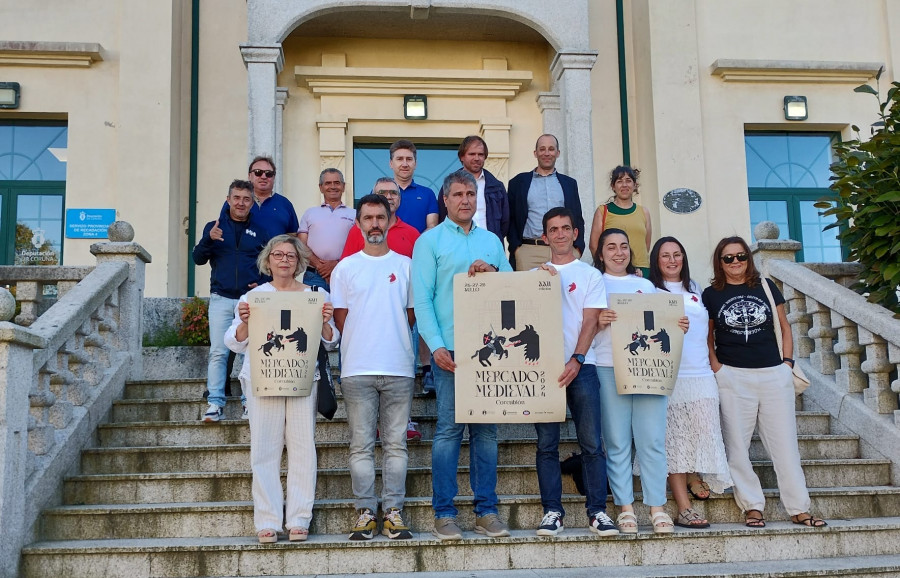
[
  {"x": 59, "y": 377},
  {"x": 30, "y": 282}
]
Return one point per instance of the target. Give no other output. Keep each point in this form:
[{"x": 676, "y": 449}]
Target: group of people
[{"x": 386, "y": 270}]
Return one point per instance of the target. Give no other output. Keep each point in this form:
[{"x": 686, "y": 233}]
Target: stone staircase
[{"x": 163, "y": 494}]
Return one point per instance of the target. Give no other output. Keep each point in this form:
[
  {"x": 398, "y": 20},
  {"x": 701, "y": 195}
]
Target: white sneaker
[
  {"x": 213, "y": 413},
  {"x": 245, "y": 413},
  {"x": 551, "y": 525}
]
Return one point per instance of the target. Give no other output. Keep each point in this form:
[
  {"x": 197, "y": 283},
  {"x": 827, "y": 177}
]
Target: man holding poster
[
  {"x": 584, "y": 295},
  {"x": 373, "y": 311},
  {"x": 457, "y": 245}
]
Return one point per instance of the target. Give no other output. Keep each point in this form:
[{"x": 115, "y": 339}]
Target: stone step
[
  {"x": 162, "y": 487},
  {"x": 178, "y": 409},
  {"x": 336, "y": 516},
  {"x": 423, "y": 411},
  {"x": 334, "y": 554}
]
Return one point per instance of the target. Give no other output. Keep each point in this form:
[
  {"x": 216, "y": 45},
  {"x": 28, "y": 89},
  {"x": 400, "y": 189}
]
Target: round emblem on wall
[{"x": 682, "y": 201}]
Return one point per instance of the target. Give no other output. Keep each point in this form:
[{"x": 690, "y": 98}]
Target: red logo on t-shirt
[
  {"x": 392, "y": 278},
  {"x": 694, "y": 298},
  {"x": 571, "y": 287}
]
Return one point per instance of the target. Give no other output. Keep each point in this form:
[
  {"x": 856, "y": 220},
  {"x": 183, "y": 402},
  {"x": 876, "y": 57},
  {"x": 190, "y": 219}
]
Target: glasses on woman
[
  {"x": 729, "y": 259},
  {"x": 280, "y": 255}
]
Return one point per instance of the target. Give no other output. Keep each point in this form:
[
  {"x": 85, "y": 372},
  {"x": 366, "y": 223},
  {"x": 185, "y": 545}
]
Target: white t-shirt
[
  {"x": 376, "y": 292},
  {"x": 627, "y": 284},
  {"x": 695, "y": 354},
  {"x": 480, "y": 216},
  {"x": 582, "y": 288}
]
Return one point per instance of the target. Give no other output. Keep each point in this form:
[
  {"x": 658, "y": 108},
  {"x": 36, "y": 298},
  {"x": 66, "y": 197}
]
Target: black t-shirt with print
[{"x": 744, "y": 329}]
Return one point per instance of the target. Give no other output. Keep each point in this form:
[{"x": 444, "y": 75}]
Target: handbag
[
  {"x": 326, "y": 400},
  {"x": 801, "y": 382}
]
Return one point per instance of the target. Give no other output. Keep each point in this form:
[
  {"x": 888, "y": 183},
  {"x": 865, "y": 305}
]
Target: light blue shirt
[
  {"x": 544, "y": 193},
  {"x": 439, "y": 254}
]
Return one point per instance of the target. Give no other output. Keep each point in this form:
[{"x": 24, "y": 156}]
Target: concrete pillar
[
  {"x": 281, "y": 96},
  {"x": 552, "y": 117},
  {"x": 496, "y": 134},
  {"x": 17, "y": 366},
  {"x": 263, "y": 65},
  {"x": 571, "y": 71}
]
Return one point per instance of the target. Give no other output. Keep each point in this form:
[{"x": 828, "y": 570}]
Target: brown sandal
[
  {"x": 809, "y": 521},
  {"x": 702, "y": 492},
  {"x": 755, "y": 521},
  {"x": 689, "y": 518}
]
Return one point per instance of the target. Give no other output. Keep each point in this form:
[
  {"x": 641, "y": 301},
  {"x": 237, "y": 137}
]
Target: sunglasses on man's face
[
  {"x": 729, "y": 259},
  {"x": 261, "y": 172}
]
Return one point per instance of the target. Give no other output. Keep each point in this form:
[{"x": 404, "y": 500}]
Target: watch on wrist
[
  {"x": 578, "y": 357},
  {"x": 789, "y": 360}
]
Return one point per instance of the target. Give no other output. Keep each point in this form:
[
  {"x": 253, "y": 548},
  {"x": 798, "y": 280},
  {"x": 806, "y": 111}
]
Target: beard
[{"x": 375, "y": 238}]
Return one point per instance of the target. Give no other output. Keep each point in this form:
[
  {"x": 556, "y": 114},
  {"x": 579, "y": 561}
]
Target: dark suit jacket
[
  {"x": 497, "y": 210},
  {"x": 518, "y": 209}
]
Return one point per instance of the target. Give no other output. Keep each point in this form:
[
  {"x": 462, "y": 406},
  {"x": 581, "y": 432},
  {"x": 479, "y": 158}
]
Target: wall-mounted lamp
[
  {"x": 9, "y": 94},
  {"x": 795, "y": 108},
  {"x": 415, "y": 107}
]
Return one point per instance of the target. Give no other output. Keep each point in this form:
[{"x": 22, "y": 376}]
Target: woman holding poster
[
  {"x": 756, "y": 387},
  {"x": 640, "y": 418},
  {"x": 275, "y": 421},
  {"x": 694, "y": 449}
]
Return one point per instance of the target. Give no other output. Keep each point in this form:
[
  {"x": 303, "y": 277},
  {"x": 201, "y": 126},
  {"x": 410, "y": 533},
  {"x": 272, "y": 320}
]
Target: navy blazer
[
  {"x": 497, "y": 210},
  {"x": 518, "y": 209}
]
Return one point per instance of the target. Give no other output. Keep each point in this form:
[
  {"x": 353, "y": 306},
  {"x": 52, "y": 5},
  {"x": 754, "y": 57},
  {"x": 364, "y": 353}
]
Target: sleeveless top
[{"x": 632, "y": 222}]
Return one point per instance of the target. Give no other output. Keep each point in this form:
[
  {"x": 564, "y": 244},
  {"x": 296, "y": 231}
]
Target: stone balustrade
[{"x": 59, "y": 374}]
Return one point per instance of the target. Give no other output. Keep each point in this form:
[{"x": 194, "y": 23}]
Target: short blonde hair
[{"x": 262, "y": 262}]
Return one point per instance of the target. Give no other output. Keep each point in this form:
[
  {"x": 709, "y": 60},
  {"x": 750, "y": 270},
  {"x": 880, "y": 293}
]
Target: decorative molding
[
  {"x": 565, "y": 60},
  {"x": 498, "y": 166},
  {"x": 547, "y": 101},
  {"x": 333, "y": 162},
  {"x": 738, "y": 70},
  {"x": 282, "y": 94},
  {"x": 322, "y": 80},
  {"x": 60, "y": 54},
  {"x": 270, "y": 54}
]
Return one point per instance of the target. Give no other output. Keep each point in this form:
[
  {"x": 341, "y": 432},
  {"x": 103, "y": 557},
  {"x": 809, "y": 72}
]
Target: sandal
[
  {"x": 662, "y": 523},
  {"x": 690, "y": 519},
  {"x": 754, "y": 521},
  {"x": 627, "y": 523},
  {"x": 267, "y": 536},
  {"x": 809, "y": 521},
  {"x": 298, "y": 534},
  {"x": 702, "y": 491}
]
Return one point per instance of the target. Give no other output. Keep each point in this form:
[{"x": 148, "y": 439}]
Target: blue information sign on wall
[{"x": 89, "y": 223}]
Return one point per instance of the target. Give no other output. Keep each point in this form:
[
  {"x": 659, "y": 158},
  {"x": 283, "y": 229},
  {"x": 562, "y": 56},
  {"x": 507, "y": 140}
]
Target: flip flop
[
  {"x": 298, "y": 534},
  {"x": 702, "y": 487},
  {"x": 755, "y": 521},
  {"x": 267, "y": 536},
  {"x": 809, "y": 521}
]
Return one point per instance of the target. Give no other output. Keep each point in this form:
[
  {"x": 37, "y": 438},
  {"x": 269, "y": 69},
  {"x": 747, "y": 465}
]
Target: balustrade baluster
[
  {"x": 823, "y": 358},
  {"x": 878, "y": 396},
  {"x": 849, "y": 377}
]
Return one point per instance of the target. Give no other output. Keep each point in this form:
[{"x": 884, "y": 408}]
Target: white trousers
[
  {"x": 762, "y": 397},
  {"x": 276, "y": 422}
]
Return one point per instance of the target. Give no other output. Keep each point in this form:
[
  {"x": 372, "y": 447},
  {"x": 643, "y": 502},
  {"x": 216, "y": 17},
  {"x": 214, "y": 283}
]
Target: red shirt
[{"x": 401, "y": 238}]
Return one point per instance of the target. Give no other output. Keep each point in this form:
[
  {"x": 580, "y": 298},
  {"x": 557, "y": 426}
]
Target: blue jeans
[
  {"x": 367, "y": 396},
  {"x": 640, "y": 418},
  {"x": 221, "y": 314},
  {"x": 583, "y": 398},
  {"x": 445, "y": 454},
  {"x": 313, "y": 279}
]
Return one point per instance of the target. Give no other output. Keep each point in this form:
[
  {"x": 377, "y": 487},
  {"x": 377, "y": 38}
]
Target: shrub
[
  {"x": 866, "y": 203},
  {"x": 194, "y": 326}
]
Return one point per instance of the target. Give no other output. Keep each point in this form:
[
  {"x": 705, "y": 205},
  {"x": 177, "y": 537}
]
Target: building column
[
  {"x": 551, "y": 114},
  {"x": 496, "y": 134},
  {"x": 571, "y": 72},
  {"x": 263, "y": 65},
  {"x": 281, "y": 96}
]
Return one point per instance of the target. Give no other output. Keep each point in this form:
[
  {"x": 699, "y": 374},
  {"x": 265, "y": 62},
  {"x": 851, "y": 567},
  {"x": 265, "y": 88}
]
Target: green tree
[{"x": 866, "y": 203}]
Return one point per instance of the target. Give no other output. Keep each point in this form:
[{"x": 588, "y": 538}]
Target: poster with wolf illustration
[
  {"x": 285, "y": 328},
  {"x": 509, "y": 348},
  {"x": 646, "y": 341}
]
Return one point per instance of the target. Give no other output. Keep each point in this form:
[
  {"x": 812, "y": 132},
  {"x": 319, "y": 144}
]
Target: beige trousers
[
  {"x": 762, "y": 398},
  {"x": 529, "y": 257}
]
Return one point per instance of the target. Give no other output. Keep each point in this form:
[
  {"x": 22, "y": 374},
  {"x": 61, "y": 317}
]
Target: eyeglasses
[
  {"x": 261, "y": 172},
  {"x": 729, "y": 259},
  {"x": 281, "y": 255},
  {"x": 388, "y": 193}
]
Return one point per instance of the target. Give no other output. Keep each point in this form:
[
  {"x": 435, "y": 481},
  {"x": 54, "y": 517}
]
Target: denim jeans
[
  {"x": 445, "y": 454},
  {"x": 367, "y": 396},
  {"x": 583, "y": 398},
  {"x": 313, "y": 279},
  {"x": 639, "y": 419},
  {"x": 221, "y": 314}
]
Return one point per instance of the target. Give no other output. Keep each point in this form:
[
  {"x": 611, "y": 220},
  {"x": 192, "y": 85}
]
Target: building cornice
[
  {"x": 40, "y": 53},
  {"x": 818, "y": 71}
]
